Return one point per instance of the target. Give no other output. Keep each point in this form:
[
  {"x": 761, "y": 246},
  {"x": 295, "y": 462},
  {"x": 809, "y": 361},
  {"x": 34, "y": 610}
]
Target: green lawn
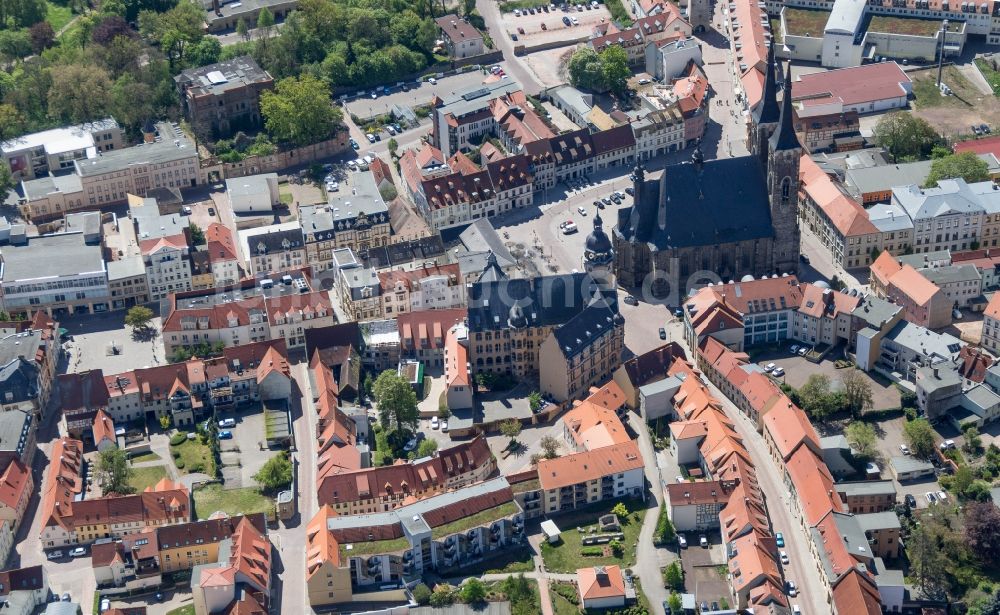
[
  {"x": 992, "y": 76},
  {"x": 193, "y": 457},
  {"x": 566, "y": 556},
  {"x": 804, "y": 22},
  {"x": 481, "y": 518},
  {"x": 147, "y": 477},
  {"x": 183, "y": 610},
  {"x": 562, "y": 606},
  {"x": 926, "y": 93},
  {"x": 212, "y": 498},
  {"x": 907, "y": 25},
  {"x": 285, "y": 194},
  {"x": 143, "y": 458},
  {"x": 57, "y": 15}
]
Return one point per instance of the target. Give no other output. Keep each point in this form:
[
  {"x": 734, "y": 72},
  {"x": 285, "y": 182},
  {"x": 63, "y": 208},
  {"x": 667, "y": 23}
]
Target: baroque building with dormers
[{"x": 725, "y": 218}]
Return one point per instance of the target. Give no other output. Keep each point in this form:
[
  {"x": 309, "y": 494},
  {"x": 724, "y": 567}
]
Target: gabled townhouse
[
  {"x": 465, "y": 116},
  {"x": 417, "y": 165},
  {"x": 922, "y": 301},
  {"x": 824, "y": 316},
  {"x": 422, "y": 335},
  {"x": 274, "y": 248},
  {"x": 384, "y": 488},
  {"x": 647, "y": 368},
  {"x": 613, "y": 147},
  {"x": 691, "y": 91},
  {"x": 283, "y": 306},
  {"x": 580, "y": 479},
  {"x": 458, "y": 198},
  {"x": 165, "y": 247},
  {"x": 23, "y": 590},
  {"x": 991, "y": 325},
  {"x": 658, "y": 132},
  {"x": 543, "y": 162},
  {"x": 240, "y": 581},
  {"x": 104, "y": 432},
  {"x": 67, "y": 521},
  {"x": 428, "y": 288},
  {"x": 243, "y": 374},
  {"x": 16, "y": 489},
  {"x": 517, "y": 123},
  {"x": 457, "y": 369},
  {"x": 28, "y": 360},
  {"x": 512, "y": 182},
  {"x": 460, "y": 37},
  {"x": 631, "y": 40},
  {"x": 223, "y": 256},
  {"x": 573, "y": 153}
]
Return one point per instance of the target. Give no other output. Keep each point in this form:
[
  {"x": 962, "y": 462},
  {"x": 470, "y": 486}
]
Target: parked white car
[
  {"x": 435, "y": 423},
  {"x": 784, "y": 557},
  {"x": 769, "y": 367},
  {"x": 227, "y": 423}
]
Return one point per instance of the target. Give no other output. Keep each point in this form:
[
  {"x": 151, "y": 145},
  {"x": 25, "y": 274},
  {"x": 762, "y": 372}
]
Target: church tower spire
[
  {"x": 767, "y": 113},
  {"x": 784, "y": 157}
]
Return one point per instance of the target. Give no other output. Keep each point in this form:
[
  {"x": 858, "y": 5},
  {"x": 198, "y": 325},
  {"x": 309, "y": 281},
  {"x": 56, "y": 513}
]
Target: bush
[
  {"x": 422, "y": 594},
  {"x": 567, "y": 591},
  {"x": 592, "y": 551},
  {"x": 180, "y": 464},
  {"x": 178, "y": 438},
  {"x": 665, "y": 532}
]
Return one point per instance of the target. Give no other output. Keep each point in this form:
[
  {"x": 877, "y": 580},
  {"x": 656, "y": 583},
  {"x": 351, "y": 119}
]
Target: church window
[{"x": 786, "y": 187}]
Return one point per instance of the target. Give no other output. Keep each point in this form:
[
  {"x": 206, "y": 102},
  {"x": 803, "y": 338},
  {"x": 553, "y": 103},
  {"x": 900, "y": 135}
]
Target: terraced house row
[{"x": 852, "y": 529}]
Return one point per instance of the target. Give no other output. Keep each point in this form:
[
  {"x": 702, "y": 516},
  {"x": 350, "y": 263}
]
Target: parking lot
[
  {"x": 243, "y": 454},
  {"x": 417, "y": 93},
  {"x": 529, "y": 28},
  {"x": 703, "y": 576},
  {"x": 798, "y": 369}
]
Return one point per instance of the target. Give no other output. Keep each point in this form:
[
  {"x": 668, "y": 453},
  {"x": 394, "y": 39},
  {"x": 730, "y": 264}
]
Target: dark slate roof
[
  {"x": 768, "y": 112},
  {"x": 274, "y": 241},
  {"x": 404, "y": 252},
  {"x": 724, "y": 202},
  {"x": 579, "y": 332},
  {"x": 20, "y": 378},
  {"x": 784, "y": 137},
  {"x": 492, "y": 271},
  {"x": 545, "y": 300}
]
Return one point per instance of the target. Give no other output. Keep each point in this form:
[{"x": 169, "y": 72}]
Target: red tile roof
[
  {"x": 15, "y": 485},
  {"x": 856, "y": 85},
  {"x": 813, "y": 484},
  {"x": 589, "y": 465},
  {"x": 104, "y": 428},
  {"x": 789, "y": 428},
  {"x": 598, "y": 582},
  {"x": 426, "y": 329},
  {"x": 989, "y": 145},
  {"x": 456, "y": 367},
  {"x": 856, "y": 594},
  {"x": 219, "y": 240}
]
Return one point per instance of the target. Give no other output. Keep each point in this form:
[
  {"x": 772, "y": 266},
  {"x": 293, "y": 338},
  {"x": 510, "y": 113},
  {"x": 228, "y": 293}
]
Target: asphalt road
[{"x": 490, "y": 11}]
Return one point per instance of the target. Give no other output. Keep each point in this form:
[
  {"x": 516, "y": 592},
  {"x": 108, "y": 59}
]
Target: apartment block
[
  {"x": 460, "y": 37},
  {"x": 52, "y": 151}
]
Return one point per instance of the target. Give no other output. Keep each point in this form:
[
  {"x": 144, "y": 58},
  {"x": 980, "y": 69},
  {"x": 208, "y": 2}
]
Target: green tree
[
  {"x": 973, "y": 441},
  {"x": 14, "y": 44},
  {"x": 393, "y": 146},
  {"x": 79, "y": 93},
  {"x": 204, "y": 52},
  {"x": 12, "y": 122},
  {"x": 550, "y": 447},
  {"x": 862, "y": 437},
  {"x": 512, "y": 429},
  {"x": 397, "y": 403},
  {"x": 927, "y": 560},
  {"x": 962, "y": 480},
  {"x": 244, "y": 32},
  {"x": 535, "y": 401},
  {"x": 966, "y": 165},
  {"x": 665, "y": 532},
  {"x": 197, "y": 235},
  {"x": 905, "y": 136},
  {"x": 114, "y": 471},
  {"x": 138, "y": 317},
  {"x": 858, "y": 391},
  {"x": 7, "y": 182},
  {"x": 614, "y": 67},
  {"x": 368, "y": 384},
  {"x": 675, "y": 604},
  {"x": 620, "y": 511},
  {"x": 21, "y": 13},
  {"x": 174, "y": 30},
  {"x": 816, "y": 397},
  {"x": 673, "y": 576},
  {"x": 276, "y": 474},
  {"x": 919, "y": 435},
  {"x": 586, "y": 70},
  {"x": 422, "y": 594},
  {"x": 473, "y": 591},
  {"x": 617, "y": 549},
  {"x": 444, "y": 412},
  {"x": 427, "y": 448},
  {"x": 299, "y": 110},
  {"x": 165, "y": 422}
]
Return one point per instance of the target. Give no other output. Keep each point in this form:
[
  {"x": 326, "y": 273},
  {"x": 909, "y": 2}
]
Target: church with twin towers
[{"x": 730, "y": 216}]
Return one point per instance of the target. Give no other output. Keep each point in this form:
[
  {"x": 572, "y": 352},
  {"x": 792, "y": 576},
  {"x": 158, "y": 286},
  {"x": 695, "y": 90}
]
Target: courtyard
[
  {"x": 570, "y": 553},
  {"x": 797, "y": 371}
]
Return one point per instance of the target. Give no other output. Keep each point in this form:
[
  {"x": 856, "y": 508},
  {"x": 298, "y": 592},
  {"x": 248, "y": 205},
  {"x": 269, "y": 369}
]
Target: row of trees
[{"x": 818, "y": 398}]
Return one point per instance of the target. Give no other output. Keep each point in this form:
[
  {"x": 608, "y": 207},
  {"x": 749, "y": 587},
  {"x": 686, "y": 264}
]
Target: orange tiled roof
[
  {"x": 104, "y": 428},
  {"x": 321, "y": 546},
  {"x": 594, "y": 426},
  {"x": 884, "y": 267},
  {"x": 846, "y": 214},
  {"x": 456, "y": 367},
  {"x": 813, "y": 484},
  {"x": 589, "y": 465},
  {"x": 911, "y": 283},
  {"x": 993, "y": 307},
  {"x": 600, "y": 582},
  {"x": 15, "y": 484},
  {"x": 789, "y": 427},
  {"x": 856, "y": 594}
]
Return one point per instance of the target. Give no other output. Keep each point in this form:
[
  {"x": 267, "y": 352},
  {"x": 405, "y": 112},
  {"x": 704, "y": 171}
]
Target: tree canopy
[
  {"x": 397, "y": 403},
  {"x": 138, "y": 317},
  {"x": 299, "y": 111},
  {"x": 114, "y": 471},
  {"x": 905, "y": 136},
  {"x": 919, "y": 436},
  {"x": 276, "y": 474},
  {"x": 607, "y": 70},
  {"x": 966, "y": 165}
]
